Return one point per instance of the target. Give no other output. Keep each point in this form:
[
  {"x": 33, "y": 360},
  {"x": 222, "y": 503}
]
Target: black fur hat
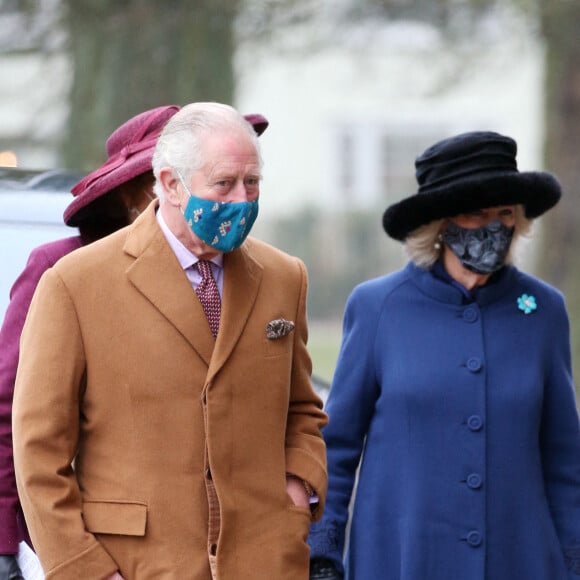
[{"x": 465, "y": 173}]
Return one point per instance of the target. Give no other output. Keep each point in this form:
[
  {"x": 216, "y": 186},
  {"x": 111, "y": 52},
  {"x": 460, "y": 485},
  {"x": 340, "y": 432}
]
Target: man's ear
[{"x": 171, "y": 186}]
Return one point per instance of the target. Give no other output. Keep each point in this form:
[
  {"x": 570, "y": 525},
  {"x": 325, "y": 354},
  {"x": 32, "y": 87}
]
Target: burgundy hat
[
  {"x": 259, "y": 122},
  {"x": 129, "y": 150}
]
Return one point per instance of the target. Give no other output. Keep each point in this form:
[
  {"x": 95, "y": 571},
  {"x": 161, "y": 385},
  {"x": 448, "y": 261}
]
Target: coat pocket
[{"x": 115, "y": 517}]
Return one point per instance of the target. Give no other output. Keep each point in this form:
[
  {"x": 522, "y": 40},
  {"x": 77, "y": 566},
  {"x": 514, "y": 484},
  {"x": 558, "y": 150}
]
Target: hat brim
[
  {"x": 536, "y": 191},
  {"x": 136, "y": 165},
  {"x": 259, "y": 122}
]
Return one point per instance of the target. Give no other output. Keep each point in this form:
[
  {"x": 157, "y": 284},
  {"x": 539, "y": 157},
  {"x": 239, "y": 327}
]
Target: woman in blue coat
[{"x": 453, "y": 395}]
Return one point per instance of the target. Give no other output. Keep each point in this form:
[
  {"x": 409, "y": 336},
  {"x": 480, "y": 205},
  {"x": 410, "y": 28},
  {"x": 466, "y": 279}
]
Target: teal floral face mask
[{"x": 222, "y": 225}]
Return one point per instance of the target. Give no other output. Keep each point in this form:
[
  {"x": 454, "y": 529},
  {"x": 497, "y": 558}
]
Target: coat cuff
[{"x": 326, "y": 540}]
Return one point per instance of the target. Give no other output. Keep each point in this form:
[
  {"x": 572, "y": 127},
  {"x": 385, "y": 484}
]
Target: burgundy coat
[{"x": 13, "y": 529}]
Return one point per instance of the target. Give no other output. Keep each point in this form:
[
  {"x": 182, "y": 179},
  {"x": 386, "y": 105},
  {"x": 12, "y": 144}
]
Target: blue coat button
[
  {"x": 474, "y": 481},
  {"x": 474, "y": 364},
  {"x": 475, "y": 422},
  {"x": 470, "y": 314},
  {"x": 474, "y": 539}
]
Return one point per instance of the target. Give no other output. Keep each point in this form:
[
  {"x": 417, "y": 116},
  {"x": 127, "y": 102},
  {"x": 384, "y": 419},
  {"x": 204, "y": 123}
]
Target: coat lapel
[
  {"x": 242, "y": 277},
  {"x": 157, "y": 274}
]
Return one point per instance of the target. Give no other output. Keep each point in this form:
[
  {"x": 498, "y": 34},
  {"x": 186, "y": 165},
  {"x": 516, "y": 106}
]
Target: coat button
[
  {"x": 474, "y": 481},
  {"x": 474, "y": 364},
  {"x": 475, "y": 423},
  {"x": 470, "y": 315},
  {"x": 474, "y": 539}
]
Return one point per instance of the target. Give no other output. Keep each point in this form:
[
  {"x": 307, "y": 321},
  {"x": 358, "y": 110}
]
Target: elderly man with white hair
[{"x": 165, "y": 424}]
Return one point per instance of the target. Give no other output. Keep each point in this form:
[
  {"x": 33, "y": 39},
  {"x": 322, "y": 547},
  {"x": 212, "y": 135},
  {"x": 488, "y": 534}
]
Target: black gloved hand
[
  {"x": 323, "y": 569},
  {"x": 9, "y": 568}
]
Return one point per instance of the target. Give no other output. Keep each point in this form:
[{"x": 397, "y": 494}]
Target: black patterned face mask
[{"x": 481, "y": 250}]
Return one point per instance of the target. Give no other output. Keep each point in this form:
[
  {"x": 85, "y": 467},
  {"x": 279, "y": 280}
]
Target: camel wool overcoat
[{"x": 124, "y": 405}]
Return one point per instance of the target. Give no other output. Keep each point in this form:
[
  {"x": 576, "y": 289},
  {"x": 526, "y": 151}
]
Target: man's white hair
[{"x": 180, "y": 144}]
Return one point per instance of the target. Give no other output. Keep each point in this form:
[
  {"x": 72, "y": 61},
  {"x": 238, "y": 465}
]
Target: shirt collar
[{"x": 185, "y": 257}]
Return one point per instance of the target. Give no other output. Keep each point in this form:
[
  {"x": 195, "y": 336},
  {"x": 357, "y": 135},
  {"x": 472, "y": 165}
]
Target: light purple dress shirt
[{"x": 187, "y": 259}]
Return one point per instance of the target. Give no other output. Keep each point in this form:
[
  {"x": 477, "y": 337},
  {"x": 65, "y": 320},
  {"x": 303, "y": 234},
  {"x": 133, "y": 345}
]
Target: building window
[
  {"x": 398, "y": 151},
  {"x": 372, "y": 164},
  {"x": 346, "y": 164}
]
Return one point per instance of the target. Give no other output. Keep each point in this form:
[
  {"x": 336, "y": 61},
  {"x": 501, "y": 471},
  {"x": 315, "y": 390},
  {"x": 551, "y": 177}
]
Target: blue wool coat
[{"x": 462, "y": 416}]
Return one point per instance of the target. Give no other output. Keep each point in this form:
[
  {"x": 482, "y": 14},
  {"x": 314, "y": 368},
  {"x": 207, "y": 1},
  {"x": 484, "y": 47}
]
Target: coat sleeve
[
  {"x": 46, "y": 433},
  {"x": 20, "y": 297},
  {"x": 560, "y": 445},
  {"x": 305, "y": 449},
  {"x": 350, "y": 408}
]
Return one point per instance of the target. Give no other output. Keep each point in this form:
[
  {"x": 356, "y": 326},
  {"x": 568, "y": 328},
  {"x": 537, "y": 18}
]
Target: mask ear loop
[{"x": 180, "y": 177}]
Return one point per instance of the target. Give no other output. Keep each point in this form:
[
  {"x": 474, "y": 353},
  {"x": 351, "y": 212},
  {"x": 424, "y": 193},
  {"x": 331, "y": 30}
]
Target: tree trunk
[
  {"x": 559, "y": 259},
  {"x": 132, "y": 55}
]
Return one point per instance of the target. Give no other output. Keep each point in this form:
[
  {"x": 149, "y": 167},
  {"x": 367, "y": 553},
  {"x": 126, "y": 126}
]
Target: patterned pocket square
[{"x": 278, "y": 328}]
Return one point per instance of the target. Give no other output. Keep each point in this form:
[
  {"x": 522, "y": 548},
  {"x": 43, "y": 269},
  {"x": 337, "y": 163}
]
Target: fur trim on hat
[{"x": 467, "y": 179}]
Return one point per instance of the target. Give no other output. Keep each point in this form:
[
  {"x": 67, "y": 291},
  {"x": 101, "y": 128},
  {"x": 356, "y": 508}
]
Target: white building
[
  {"x": 349, "y": 106},
  {"x": 348, "y": 120}
]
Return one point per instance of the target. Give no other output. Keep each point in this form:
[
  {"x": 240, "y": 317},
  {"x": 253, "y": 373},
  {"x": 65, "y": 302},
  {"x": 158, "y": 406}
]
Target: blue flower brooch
[{"x": 527, "y": 304}]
